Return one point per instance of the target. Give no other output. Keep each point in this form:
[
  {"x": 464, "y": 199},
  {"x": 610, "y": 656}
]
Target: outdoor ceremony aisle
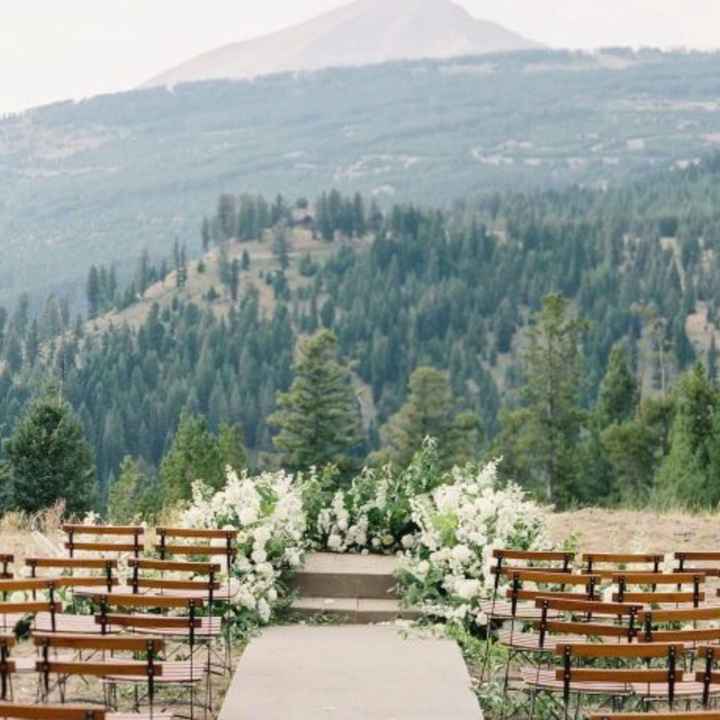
[{"x": 350, "y": 672}]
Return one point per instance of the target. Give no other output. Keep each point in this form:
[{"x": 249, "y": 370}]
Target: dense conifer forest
[{"x": 627, "y": 278}]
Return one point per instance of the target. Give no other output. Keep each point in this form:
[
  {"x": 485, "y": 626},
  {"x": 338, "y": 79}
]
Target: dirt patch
[{"x": 596, "y": 530}]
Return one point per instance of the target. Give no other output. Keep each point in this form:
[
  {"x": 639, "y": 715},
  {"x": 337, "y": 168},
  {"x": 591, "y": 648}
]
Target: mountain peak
[{"x": 364, "y": 32}]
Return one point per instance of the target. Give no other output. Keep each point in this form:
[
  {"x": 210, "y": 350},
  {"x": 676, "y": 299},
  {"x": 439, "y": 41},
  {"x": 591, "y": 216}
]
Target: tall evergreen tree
[
  {"x": 49, "y": 458},
  {"x": 318, "y": 419}
]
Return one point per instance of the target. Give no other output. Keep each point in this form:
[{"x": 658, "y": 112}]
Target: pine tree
[
  {"x": 93, "y": 292},
  {"x": 205, "y": 235},
  {"x": 193, "y": 455},
  {"x": 49, "y": 458},
  {"x": 234, "y": 279},
  {"x": 126, "y": 494},
  {"x": 619, "y": 390},
  {"x": 318, "y": 419},
  {"x": 430, "y": 411},
  {"x": 543, "y": 435}
]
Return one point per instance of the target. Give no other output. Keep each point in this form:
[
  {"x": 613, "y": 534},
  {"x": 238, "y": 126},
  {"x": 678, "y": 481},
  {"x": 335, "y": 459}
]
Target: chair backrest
[
  {"x": 168, "y": 544},
  {"x": 696, "y": 562},
  {"x": 109, "y": 643},
  {"x": 669, "y": 674},
  {"x": 519, "y": 578},
  {"x": 131, "y": 539},
  {"x": 623, "y": 581},
  {"x": 207, "y": 587},
  {"x": 649, "y": 562},
  {"x": 527, "y": 559},
  {"x": 649, "y": 618},
  {"x": 104, "y": 567},
  {"x": 51, "y": 712}
]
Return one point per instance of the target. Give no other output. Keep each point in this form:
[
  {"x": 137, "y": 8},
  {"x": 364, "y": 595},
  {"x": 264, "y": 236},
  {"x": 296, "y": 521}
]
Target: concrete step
[
  {"x": 353, "y": 611},
  {"x": 326, "y": 575}
]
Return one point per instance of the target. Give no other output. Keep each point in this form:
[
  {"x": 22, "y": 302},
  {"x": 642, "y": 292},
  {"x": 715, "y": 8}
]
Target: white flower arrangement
[
  {"x": 447, "y": 573},
  {"x": 268, "y": 512}
]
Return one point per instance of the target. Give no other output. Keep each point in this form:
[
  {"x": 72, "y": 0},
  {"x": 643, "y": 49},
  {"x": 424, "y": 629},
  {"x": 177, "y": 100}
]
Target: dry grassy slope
[
  {"x": 262, "y": 262},
  {"x": 631, "y": 531}
]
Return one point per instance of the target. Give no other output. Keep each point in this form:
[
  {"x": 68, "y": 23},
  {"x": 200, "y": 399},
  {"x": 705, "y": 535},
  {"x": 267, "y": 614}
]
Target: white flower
[
  {"x": 335, "y": 542},
  {"x": 462, "y": 553}
]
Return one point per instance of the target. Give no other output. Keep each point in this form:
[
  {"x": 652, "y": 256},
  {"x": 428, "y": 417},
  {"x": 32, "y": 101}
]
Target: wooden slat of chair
[
  {"x": 616, "y": 650},
  {"x": 71, "y": 582},
  {"x": 199, "y": 568},
  {"x": 191, "y": 550},
  {"x": 208, "y": 534},
  {"x": 679, "y": 615},
  {"x": 660, "y": 597},
  {"x": 149, "y": 621},
  {"x": 618, "y": 675},
  {"x": 157, "y": 584},
  {"x": 623, "y": 558},
  {"x": 632, "y": 578},
  {"x": 540, "y": 556},
  {"x": 73, "y": 563},
  {"x": 547, "y": 577},
  {"x": 535, "y": 595},
  {"x": 160, "y": 602},
  {"x": 682, "y": 636},
  {"x": 684, "y": 558},
  {"x": 103, "y": 547},
  {"x": 51, "y": 712},
  {"x": 127, "y": 668},
  {"x": 29, "y": 608},
  {"x": 588, "y": 607},
  {"x": 127, "y": 530},
  {"x": 586, "y": 629},
  {"x": 113, "y": 643}
]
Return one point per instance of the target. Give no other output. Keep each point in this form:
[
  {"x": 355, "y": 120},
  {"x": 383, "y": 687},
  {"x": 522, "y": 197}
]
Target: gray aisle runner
[{"x": 349, "y": 672}]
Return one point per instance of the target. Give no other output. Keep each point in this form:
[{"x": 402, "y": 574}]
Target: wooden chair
[
  {"x": 131, "y": 539},
  {"x": 620, "y": 562},
  {"x": 653, "y": 596},
  {"x": 64, "y": 571},
  {"x": 672, "y": 626},
  {"x": 698, "y": 563},
  {"x": 187, "y": 628},
  {"x": 645, "y": 683}
]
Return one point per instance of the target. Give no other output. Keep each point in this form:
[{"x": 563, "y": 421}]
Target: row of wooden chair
[{"x": 166, "y": 604}]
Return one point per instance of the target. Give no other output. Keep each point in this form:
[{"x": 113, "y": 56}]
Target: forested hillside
[
  {"x": 402, "y": 290},
  {"x": 100, "y": 180}
]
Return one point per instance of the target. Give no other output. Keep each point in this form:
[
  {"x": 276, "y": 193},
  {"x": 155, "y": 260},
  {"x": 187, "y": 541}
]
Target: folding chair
[
  {"x": 642, "y": 684},
  {"x": 188, "y": 629},
  {"x": 675, "y": 630},
  {"x": 708, "y": 677}
]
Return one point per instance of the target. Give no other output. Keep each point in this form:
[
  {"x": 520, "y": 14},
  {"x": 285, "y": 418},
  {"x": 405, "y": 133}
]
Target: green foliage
[
  {"x": 48, "y": 459},
  {"x": 134, "y": 496},
  {"x": 318, "y": 418},
  {"x": 547, "y": 429},
  {"x": 430, "y": 411},
  {"x": 197, "y": 454}
]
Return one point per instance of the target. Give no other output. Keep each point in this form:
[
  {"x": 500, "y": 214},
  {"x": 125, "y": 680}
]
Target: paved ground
[{"x": 349, "y": 673}]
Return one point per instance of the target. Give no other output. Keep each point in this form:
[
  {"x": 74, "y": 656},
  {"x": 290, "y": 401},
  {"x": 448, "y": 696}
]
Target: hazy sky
[{"x": 56, "y": 49}]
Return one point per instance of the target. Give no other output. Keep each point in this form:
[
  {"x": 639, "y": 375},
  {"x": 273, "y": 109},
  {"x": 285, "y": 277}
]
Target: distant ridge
[{"x": 362, "y": 33}]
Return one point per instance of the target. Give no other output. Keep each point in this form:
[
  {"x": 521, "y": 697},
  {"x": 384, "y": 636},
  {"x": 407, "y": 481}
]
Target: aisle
[{"x": 349, "y": 672}]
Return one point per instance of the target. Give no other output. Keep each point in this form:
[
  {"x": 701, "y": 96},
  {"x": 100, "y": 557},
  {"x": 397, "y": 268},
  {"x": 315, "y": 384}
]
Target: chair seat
[
  {"x": 685, "y": 689},
  {"x": 65, "y": 623},
  {"x": 173, "y": 673},
  {"x": 546, "y": 680}
]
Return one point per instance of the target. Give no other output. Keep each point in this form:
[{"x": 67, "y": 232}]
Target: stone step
[
  {"x": 353, "y": 611},
  {"x": 326, "y": 575}
]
